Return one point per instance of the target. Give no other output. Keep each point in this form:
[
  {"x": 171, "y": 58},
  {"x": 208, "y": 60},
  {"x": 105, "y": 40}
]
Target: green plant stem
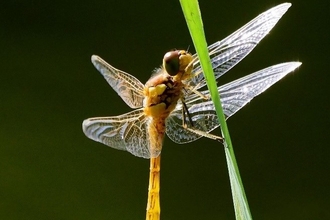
[{"x": 193, "y": 18}]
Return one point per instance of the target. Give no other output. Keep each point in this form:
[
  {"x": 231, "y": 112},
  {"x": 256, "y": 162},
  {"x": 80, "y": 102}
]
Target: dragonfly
[{"x": 174, "y": 102}]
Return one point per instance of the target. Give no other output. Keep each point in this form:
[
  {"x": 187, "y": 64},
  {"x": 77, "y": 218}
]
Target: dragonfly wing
[
  {"x": 124, "y": 132},
  {"x": 228, "y": 52},
  {"x": 238, "y": 93},
  {"x": 129, "y": 88},
  {"x": 178, "y": 134},
  {"x": 234, "y": 96}
]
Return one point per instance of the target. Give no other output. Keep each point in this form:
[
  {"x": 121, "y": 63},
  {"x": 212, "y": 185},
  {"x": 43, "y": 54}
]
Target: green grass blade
[{"x": 193, "y": 18}]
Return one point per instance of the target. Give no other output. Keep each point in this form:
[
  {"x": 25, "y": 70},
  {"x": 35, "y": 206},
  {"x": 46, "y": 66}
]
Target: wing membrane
[
  {"x": 179, "y": 134},
  {"x": 234, "y": 96},
  {"x": 129, "y": 88},
  {"x": 124, "y": 132},
  {"x": 228, "y": 52}
]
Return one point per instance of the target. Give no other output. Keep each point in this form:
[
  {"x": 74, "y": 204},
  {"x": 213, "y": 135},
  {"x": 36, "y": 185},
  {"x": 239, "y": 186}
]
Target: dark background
[{"x": 50, "y": 170}]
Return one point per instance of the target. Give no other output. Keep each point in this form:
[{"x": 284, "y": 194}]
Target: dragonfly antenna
[{"x": 188, "y": 48}]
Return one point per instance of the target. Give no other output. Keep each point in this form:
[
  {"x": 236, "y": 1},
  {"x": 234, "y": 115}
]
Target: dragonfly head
[{"x": 178, "y": 62}]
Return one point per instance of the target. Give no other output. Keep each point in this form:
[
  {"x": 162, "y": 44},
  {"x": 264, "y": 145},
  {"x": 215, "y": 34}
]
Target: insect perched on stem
[{"x": 172, "y": 101}]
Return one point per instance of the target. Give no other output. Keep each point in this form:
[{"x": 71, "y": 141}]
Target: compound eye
[{"x": 171, "y": 62}]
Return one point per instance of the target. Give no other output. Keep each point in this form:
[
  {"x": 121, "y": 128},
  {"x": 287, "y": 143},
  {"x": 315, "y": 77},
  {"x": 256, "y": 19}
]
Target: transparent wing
[
  {"x": 179, "y": 134},
  {"x": 227, "y": 53},
  {"x": 234, "y": 96},
  {"x": 124, "y": 132},
  {"x": 129, "y": 88}
]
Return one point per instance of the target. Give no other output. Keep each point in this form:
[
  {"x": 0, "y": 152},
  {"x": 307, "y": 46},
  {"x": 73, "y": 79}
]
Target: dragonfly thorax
[{"x": 162, "y": 93}]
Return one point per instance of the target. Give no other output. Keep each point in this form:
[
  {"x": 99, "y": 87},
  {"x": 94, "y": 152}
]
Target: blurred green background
[{"x": 50, "y": 170}]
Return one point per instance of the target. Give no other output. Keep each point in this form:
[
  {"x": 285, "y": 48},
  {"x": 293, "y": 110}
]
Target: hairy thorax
[{"x": 162, "y": 93}]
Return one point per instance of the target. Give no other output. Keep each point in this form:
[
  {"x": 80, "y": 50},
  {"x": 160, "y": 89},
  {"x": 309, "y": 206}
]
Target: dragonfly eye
[{"x": 171, "y": 62}]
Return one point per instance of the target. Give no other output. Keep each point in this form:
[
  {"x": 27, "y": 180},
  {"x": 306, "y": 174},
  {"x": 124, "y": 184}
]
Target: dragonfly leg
[
  {"x": 192, "y": 89},
  {"x": 204, "y": 134},
  {"x": 184, "y": 111},
  {"x": 192, "y": 128}
]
